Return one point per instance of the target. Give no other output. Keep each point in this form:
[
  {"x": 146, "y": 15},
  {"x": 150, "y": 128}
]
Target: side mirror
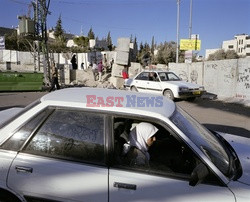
[{"x": 199, "y": 173}]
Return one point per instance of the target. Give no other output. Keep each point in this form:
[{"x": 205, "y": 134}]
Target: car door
[
  {"x": 167, "y": 177},
  {"x": 141, "y": 82},
  {"x": 127, "y": 185},
  {"x": 63, "y": 160},
  {"x": 154, "y": 84}
]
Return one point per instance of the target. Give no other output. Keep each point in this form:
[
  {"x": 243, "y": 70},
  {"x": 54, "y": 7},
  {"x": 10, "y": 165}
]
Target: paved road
[{"x": 216, "y": 115}]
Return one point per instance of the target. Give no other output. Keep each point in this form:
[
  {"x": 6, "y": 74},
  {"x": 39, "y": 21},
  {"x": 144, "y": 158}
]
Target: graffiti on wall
[
  {"x": 228, "y": 77},
  {"x": 183, "y": 75},
  {"x": 212, "y": 66},
  {"x": 244, "y": 78},
  {"x": 194, "y": 76}
]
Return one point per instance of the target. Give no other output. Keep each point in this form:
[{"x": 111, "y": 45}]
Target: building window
[
  {"x": 248, "y": 45},
  {"x": 230, "y": 46}
]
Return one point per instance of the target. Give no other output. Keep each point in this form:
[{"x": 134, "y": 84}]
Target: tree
[
  {"x": 109, "y": 41},
  {"x": 231, "y": 54},
  {"x": 91, "y": 34},
  {"x": 166, "y": 53},
  {"x": 82, "y": 41},
  {"x": 134, "y": 52},
  {"x": 59, "y": 32},
  {"x": 153, "y": 45},
  {"x": 222, "y": 55},
  {"x": 144, "y": 54},
  {"x": 153, "y": 49}
]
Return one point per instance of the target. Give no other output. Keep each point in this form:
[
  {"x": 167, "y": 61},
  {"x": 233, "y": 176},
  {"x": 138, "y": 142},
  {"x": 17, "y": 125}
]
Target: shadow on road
[{"x": 224, "y": 106}]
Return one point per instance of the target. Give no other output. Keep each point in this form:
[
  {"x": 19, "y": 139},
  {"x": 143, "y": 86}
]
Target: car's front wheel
[
  {"x": 169, "y": 94},
  {"x": 133, "y": 88}
]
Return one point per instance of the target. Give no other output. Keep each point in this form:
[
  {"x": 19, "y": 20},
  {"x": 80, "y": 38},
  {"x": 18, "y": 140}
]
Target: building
[{"x": 240, "y": 44}]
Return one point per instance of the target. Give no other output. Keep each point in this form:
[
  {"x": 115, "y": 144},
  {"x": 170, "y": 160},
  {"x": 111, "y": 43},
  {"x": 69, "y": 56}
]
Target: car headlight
[
  {"x": 183, "y": 88},
  {"x": 201, "y": 88}
]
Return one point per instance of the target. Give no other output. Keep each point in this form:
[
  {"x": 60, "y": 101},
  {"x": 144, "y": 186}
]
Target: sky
[{"x": 213, "y": 20}]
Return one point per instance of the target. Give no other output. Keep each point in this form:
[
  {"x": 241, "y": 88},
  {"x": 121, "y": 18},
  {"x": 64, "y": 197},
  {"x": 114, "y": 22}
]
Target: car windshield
[
  {"x": 168, "y": 76},
  {"x": 203, "y": 139}
]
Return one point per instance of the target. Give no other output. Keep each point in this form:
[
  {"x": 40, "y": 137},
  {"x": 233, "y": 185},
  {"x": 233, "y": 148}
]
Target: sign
[
  {"x": 188, "y": 56},
  {"x": 195, "y": 36},
  {"x": 2, "y": 43},
  {"x": 190, "y": 44}
]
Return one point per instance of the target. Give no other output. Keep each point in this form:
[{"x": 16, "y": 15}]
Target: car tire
[
  {"x": 133, "y": 88},
  {"x": 169, "y": 94}
]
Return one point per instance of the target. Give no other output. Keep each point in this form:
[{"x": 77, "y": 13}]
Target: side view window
[
  {"x": 153, "y": 77},
  {"x": 73, "y": 135},
  {"x": 141, "y": 145},
  {"x": 16, "y": 141},
  {"x": 143, "y": 76}
]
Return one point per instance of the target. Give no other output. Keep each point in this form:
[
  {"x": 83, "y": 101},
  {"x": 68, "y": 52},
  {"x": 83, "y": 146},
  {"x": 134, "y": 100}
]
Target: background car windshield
[
  {"x": 202, "y": 138},
  {"x": 168, "y": 76}
]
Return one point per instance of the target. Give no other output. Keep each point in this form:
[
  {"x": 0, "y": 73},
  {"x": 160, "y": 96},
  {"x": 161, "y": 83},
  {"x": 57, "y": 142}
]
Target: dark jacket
[{"x": 136, "y": 157}]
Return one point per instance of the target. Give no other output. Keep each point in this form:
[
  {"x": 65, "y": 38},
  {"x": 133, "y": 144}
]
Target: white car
[
  {"x": 164, "y": 83},
  {"x": 68, "y": 146}
]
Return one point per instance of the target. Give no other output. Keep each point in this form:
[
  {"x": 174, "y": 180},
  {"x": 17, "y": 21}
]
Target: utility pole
[
  {"x": 41, "y": 10},
  {"x": 190, "y": 19},
  {"x": 177, "y": 32}
]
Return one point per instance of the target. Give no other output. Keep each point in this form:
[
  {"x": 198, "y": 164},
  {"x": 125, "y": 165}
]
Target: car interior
[{"x": 167, "y": 154}]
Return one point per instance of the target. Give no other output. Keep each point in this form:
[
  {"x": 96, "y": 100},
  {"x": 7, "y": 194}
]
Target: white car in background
[
  {"x": 164, "y": 83},
  {"x": 67, "y": 146}
]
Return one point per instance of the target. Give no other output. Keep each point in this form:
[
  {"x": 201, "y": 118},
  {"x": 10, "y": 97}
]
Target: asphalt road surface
[{"x": 216, "y": 115}]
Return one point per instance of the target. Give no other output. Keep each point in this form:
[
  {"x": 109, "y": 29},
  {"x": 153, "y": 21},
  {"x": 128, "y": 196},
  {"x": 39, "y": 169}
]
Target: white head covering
[{"x": 140, "y": 134}]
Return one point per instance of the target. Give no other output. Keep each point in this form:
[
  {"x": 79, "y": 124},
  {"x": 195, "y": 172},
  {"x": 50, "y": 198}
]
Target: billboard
[
  {"x": 2, "y": 43},
  {"x": 190, "y": 44}
]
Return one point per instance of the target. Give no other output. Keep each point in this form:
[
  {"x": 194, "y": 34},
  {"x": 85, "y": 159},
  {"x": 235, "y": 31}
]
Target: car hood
[
  {"x": 241, "y": 146},
  {"x": 183, "y": 84},
  {"x": 8, "y": 113}
]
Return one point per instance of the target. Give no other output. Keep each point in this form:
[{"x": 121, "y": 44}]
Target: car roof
[
  {"x": 133, "y": 102},
  {"x": 156, "y": 70}
]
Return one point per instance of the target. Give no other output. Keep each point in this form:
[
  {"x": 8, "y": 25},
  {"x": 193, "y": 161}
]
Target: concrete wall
[
  {"x": 24, "y": 61},
  {"x": 225, "y": 78}
]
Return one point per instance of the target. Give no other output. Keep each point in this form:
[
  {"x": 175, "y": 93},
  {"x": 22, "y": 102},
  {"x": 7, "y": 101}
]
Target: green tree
[
  {"x": 144, "y": 54},
  {"x": 134, "y": 51},
  {"x": 109, "y": 41},
  {"x": 153, "y": 49},
  {"x": 91, "y": 34},
  {"x": 59, "y": 32},
  {"x": 166, "y": 53},
  {"x": 222, "y": 55},
  {"x": 153, "y": 45},
  {"x": 82, "y": 41},
  {"x": 231, "y": 54},
  {"x": 11, "y": 41}
]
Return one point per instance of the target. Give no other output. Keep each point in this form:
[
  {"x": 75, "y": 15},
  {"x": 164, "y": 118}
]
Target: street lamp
[{"x": 177, "y": 32}]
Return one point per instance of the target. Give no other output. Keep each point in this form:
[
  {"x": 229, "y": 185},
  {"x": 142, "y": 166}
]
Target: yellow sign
[{"x": 190, "y": 44}]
